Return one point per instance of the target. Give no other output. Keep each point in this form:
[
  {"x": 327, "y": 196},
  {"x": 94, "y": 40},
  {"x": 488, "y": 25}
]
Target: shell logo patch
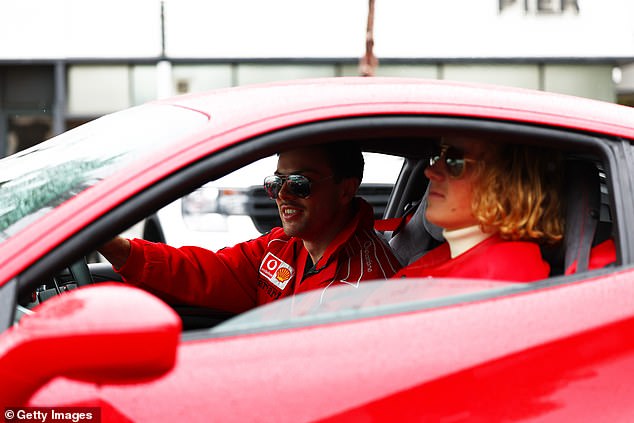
[
  {"x": 276, "y": 271},
  {"x": 283, "y": 274}
]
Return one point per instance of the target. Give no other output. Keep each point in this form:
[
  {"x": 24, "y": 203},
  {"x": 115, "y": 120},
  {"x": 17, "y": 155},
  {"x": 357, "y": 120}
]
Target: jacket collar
[{"x": 363, "y": 219}]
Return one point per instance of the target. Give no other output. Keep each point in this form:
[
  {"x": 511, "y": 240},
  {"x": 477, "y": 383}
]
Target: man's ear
[{"x": 350, "y": 187}]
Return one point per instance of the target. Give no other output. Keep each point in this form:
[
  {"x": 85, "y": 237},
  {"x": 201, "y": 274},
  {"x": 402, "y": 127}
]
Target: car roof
[{"x": 354, "y": 96}]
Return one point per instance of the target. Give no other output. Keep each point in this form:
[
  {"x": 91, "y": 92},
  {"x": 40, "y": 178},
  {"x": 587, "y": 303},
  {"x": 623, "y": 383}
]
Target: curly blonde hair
[{"x": 516, "y": 193}]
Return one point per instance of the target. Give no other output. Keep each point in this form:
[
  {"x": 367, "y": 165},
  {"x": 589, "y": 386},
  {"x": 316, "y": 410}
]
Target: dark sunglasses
[
  {"x": 297, "y": 185},
  {"x": 454, "y": 160}
]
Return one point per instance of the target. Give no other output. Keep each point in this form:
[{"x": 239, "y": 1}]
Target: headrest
[{"x": 415, "y": 237}]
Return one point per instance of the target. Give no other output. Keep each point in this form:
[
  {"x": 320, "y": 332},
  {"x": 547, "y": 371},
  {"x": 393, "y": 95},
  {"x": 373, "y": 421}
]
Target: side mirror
[{"x": 105, "y": 334}]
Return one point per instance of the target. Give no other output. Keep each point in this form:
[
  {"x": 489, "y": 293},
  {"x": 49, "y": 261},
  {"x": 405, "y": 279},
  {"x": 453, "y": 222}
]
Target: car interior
[{"x": 588, "y": 197}]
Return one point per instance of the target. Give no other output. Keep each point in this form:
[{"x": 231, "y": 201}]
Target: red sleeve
[
  {"x": 225, "y": 280},
  {"x": 602, "y": 254}
]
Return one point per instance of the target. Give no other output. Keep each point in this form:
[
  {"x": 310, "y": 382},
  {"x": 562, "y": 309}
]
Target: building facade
[{"x": 77, "y": 60}]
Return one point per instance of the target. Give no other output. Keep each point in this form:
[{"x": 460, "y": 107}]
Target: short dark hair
[{"x": 345, "y": 159}]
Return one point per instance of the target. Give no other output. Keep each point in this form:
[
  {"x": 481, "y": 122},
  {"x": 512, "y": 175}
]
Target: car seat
[{"x": 415, "y": 235}]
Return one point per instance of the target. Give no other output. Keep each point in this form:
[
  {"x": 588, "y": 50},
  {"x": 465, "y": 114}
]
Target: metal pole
[
  {"x": 59, "y": 100},
  {"x": 369, "y": 62},
  {"x": 3, "y": 118},
  {"x": 162, "y": 30},
  {"x": 163, "y": 67},
  {"x": 4, "y": 133}
]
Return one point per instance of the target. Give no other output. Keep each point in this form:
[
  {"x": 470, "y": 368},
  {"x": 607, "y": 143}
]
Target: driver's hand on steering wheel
[{"x": 116, "y": 251}]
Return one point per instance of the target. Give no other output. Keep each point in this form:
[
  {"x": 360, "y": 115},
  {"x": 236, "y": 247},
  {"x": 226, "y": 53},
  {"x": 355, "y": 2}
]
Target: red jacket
[
  {"x": 492, "y": 258},
  {"x": 261, "y": 270}
]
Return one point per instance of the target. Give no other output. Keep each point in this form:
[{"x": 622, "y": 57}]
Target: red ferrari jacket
[
  {"x": 261, "y": 270},
  {"x": 492, "y": 258}
]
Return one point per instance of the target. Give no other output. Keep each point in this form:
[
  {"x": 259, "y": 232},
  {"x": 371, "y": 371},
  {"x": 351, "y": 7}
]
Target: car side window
[{"x": 235, "y": 208}]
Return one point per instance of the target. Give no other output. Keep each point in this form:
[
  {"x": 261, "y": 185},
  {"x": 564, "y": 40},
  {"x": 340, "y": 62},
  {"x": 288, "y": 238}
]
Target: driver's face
[{"x": 309, "y": 218}]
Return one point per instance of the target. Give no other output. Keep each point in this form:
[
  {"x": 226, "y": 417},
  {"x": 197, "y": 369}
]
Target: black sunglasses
[
  {"x": 297, "y": 185},
  {"x": 454, "y": 160}
]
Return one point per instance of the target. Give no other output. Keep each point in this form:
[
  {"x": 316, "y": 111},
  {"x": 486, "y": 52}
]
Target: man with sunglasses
[{"x": 327, "y": 238}]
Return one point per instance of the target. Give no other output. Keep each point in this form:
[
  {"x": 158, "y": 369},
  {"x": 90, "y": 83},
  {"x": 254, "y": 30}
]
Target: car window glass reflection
[{"x": 78, "y": 159}]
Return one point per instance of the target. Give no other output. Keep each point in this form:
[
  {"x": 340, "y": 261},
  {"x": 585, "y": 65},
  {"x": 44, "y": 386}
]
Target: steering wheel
[{"x": 80, "y": 272}]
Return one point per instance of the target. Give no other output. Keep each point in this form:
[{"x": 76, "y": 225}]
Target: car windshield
[
  {"x": 36, "y": 180},
  {"x": 369, "y": 299}
]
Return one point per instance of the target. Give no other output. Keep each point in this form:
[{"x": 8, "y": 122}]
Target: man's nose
[{"x": 284, "y": 191}]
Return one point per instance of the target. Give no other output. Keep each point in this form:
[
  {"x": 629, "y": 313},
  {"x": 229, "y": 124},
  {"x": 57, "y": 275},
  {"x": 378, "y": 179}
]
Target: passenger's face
[
  {"x": 450, "y": 196},
  {"x": 309, "y": 218}
]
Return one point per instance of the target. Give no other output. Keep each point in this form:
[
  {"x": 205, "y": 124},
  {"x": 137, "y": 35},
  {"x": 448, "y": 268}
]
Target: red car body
[{"x": 562, "y": 352}]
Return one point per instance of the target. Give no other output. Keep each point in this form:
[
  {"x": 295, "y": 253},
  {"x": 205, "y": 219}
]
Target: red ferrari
[{"x": 432, "y": 349}]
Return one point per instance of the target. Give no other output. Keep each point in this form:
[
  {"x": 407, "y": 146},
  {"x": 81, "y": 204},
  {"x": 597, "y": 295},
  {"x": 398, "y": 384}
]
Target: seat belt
[
  {"x": 583, "y": 195},
  {"x": 390, "y": 224}
]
